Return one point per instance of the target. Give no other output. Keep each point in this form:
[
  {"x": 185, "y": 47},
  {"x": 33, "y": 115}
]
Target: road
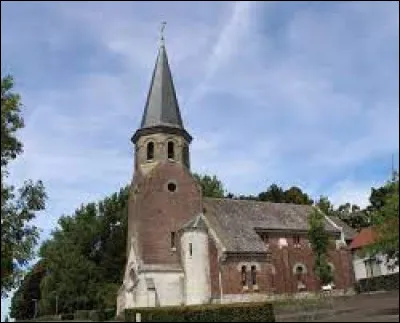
[{"x": 377, "y": 307}]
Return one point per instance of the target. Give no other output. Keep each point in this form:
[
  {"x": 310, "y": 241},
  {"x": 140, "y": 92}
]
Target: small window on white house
[
  {"x": 372, "y": 267},
  {"x": 190, "y": 249}
]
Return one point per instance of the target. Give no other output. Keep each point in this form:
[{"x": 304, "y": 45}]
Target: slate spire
[
  {"x": 162, "y": 105},
  {"x": 162, "y": 108}
]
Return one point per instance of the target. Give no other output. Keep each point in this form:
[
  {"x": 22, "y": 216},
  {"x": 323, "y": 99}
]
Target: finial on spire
[{"x": 162, "y": 32}]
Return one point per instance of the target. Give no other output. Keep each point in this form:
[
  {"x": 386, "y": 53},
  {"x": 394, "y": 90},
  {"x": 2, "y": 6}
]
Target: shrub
[
  {"x": 48, "y": 318},
  {"x": 109, "y": 314},
  {"x": 96, "y": 315},
  {"x": 67, "y": 316},
  {"x": 81, "y": 315},
  {"x": 384, "y": 282},
  {"x": 238, "y": 312}
]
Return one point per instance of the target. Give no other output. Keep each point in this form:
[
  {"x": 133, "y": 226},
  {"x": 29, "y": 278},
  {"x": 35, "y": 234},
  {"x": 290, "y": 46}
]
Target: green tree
[
  {"x": 325, "y": 205},
  {"x": 18, "y": 238},
  {"x": 379, "y": 196},
  {"x": 86, "y": 256},
  {"x": 22, "y": 306},
  {"x": 353, "y": 216},
  {"x": 274, "y": 193},
  {"x": 386, "y": 224},
  {"x": 296, "y": 196},
  {"x": 319, "y": 240},
  {"x": 211, "y": 186}
]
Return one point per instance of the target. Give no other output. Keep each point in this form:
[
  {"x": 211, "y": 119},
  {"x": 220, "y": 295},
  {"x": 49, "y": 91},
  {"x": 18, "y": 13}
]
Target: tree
[
  {"x": 353, "y": 216},
  {"x": 211, "y": 186},
  {"x": 386, "y": 224},
  {"x": 18, "y": 238},
  {"x": 86, "y": 256},
  {"x": 319, "y": 240},
  {"x": 274, "y": 193},
  {"x": 379, "y": 196},
  {"x": 325, "y": 205},
  {"x": 296, "y": 196},
  {"x": 22, "y": 306}
]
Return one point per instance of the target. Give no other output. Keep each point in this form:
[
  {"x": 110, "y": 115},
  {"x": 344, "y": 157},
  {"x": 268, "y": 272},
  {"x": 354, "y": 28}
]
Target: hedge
[
  {"x": 237, "y": 312},
  {"x": 102, "y": 315},
  {"x": 67, "y": 316},
  {"x": 384, "y": 282},
  {"x": 46, "y": 318},
  {"x": 81, "y": 315}
]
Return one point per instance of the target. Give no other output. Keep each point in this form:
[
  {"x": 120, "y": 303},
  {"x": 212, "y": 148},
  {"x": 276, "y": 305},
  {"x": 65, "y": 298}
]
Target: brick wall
[
  {"x": 156, "y": 212},
  {"x": 278, "y": 276}
]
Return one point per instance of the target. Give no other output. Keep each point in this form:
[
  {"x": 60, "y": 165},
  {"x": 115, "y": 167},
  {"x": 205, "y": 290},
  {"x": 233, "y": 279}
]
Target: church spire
[
  {"x": 162, "y": 105},
  {"x": 161, "y": 112}
]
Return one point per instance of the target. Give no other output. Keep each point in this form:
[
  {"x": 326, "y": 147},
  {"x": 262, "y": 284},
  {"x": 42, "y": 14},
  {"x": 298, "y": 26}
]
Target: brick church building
[{"x": 183, "y": 248}]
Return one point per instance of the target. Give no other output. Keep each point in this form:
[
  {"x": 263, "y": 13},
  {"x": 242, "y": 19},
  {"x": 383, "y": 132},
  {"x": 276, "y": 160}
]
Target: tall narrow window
[
  {"x": 190, "y": 249},
  {"x": 244, "y": 276},
  {"x": 173, "y": 245},
  {"x": 254, "y": 275},
  {"x": 185, "y": 155},
  {"x": 171, "y": 152},
  {"x": 150, "y": 150},
  {"x": 296, "y": 240}
]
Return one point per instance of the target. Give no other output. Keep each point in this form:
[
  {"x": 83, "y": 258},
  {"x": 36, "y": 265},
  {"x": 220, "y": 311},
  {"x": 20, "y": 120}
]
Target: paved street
[{"x": 379, "y": 307}]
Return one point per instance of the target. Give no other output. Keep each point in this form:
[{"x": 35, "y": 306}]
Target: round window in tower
[{"x": 171, "y": 187}]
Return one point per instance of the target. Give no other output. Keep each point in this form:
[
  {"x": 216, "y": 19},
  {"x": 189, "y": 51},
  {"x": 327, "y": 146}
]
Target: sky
[{"x": 292, "y": 93}]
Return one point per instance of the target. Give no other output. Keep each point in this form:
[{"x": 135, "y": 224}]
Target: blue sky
[{"x": 294, "y": 93}]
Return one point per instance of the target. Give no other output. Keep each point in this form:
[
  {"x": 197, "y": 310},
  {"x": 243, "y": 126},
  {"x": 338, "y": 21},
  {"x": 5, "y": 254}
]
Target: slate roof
[
  {"x": 162, "y": 107},
  {"x": 235, "y": 221},
  {"x": 349, "y": 232},
  {"x": 196, "y": 223}
]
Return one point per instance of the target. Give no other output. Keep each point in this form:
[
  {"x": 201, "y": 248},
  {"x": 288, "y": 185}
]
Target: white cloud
[{"x": 354, "y": 192}]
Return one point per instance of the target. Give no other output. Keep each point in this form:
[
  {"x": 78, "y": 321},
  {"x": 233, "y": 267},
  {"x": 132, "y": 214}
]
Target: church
[{"x": 184, "y": 248}]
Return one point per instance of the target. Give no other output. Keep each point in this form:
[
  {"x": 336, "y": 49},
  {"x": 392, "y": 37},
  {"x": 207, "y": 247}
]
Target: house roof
[
  {"x": 236, "y": 222},
  {"x": 364, "y": 238},
  {"x": 196, "y": 223},
  {"x": 349, "y": 232}
]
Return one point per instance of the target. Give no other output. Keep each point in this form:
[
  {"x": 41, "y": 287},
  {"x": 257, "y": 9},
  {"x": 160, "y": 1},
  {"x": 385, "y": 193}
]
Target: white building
[{"x": 364, "y": 265}]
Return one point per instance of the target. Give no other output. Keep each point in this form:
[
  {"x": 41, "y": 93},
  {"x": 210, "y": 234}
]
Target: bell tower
[{"x": 164, "y": 195}]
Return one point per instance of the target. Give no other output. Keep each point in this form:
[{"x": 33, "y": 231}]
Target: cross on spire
[{"x": 163, "y": 24}]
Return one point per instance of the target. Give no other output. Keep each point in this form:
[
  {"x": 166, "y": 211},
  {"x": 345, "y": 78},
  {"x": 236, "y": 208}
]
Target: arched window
[
  {"x": 171, "y": 152},
  {"x": 150, "y": 150},
  {"x": 244, "y": 275},
  {"x": 300, "y": 270},
  {"x": 254, "y": 275},
  {"x": 185, "y": 155}
]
